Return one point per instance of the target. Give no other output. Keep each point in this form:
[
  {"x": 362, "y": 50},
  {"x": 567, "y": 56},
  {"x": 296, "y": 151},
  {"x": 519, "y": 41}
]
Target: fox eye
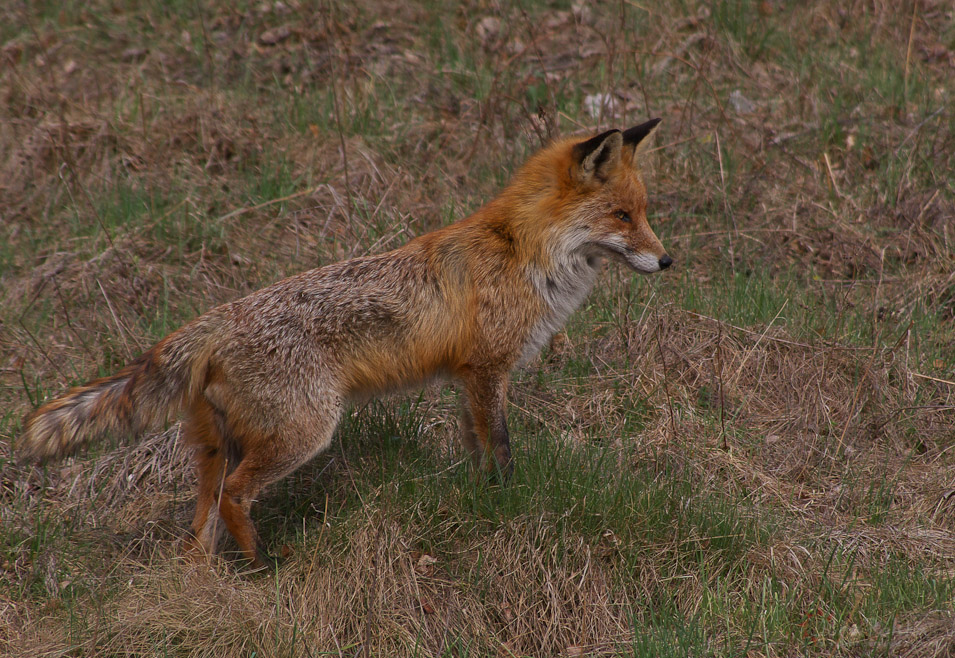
[{"x": 623, "y": 216}]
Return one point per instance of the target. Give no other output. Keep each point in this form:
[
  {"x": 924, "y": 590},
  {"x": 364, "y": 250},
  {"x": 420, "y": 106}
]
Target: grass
[{"x": 746, "y": 455}]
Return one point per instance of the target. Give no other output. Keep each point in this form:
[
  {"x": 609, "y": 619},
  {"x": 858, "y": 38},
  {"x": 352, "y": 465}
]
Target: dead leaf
[
  {"x": 425, "y": 564},
  {"x": 275, "y": 35},
  {"x": 426, "y": 606},
  {"x": 507, "y": 613},
  {"x": 133, "y": 54}
]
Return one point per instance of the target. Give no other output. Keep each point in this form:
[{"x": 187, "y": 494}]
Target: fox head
[
  {"x": 595, "y": 203},
  {"x": 613, "y": 199}
]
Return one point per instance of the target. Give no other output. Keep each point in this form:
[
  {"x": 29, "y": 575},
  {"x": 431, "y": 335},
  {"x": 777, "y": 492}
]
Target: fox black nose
[{"x": 665, "y": 262}]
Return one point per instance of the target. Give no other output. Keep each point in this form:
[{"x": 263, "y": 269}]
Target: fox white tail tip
[{"x": 46, "y": 436}]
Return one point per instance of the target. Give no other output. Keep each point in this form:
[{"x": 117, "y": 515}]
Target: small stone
[
  {"x": 275, "y": 35},
  {"x": 741, "y": 104},
  {"x": 596, "y": 104},
  {"x": 488, "y": 29}
]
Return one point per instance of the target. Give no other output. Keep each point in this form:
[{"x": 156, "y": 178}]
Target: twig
[
  {"x": 666, "y": 389},
  {"x": 923, "y": 407},
  {"x": 763, "y": 336},
  {"x": 672, "y": 144},
  {"x": 34, "y": 339},
  {"x": 484, "y": 105},
  {"x": 758, "y": 341},
  {"x": 832, "y": 177},
  {"x": 726, "y": 203},
  {"x": 69, "y": 323},
  {"x": 853, "y": 411},
  {"x": 119, "y": 326},
  {"x": 241, "y": 211},
  {"x": 341, "y": 135},
  {"x": 908, "y": 55},
  {"x": 42, "y": 351},
  {"x": 918, "y": 128},
  {"x": 719, "y": 361},
  {"x": 930, "y": 378}
]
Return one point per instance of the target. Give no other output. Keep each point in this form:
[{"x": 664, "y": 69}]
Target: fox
[{"x": 262, "y": 382}]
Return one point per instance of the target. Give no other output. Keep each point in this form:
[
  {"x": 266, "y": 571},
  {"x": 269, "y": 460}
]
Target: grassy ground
[{"x": 748, "y": 455}]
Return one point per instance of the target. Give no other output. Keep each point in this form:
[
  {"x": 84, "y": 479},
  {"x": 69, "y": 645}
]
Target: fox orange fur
[{"x": 262, "y": 381}]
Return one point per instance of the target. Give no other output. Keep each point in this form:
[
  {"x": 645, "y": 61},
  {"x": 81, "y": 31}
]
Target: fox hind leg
[
  {"x": 207, "y": 527},
  {"x": 268, "y": 457},
  {"x": 215, "y": 455}
]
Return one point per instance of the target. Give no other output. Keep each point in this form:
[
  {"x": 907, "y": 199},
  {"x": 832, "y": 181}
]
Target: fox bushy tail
[{"x": 145, "y": 393}]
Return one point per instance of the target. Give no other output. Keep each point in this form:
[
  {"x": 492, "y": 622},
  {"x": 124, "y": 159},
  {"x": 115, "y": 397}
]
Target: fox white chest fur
[{"x": 564, "y": 290}]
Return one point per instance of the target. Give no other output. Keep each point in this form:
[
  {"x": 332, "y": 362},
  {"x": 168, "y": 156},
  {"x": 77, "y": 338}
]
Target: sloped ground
[{"x": 747, "y": 455}]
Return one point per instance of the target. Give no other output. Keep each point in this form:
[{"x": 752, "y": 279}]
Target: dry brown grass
[{"x": 155, "y": 162}]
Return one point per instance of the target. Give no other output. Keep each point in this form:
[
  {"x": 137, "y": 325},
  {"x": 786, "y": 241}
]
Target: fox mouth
[{"x": 642, "y": 262}]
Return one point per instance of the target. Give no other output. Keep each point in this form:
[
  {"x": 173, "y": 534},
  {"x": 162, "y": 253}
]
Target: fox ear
[
  {"x": 598, "y": 156},
  {"x": 634, "y": 136}
]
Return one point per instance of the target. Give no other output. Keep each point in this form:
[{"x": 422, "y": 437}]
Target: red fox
[{"x": 262, "y": 381}]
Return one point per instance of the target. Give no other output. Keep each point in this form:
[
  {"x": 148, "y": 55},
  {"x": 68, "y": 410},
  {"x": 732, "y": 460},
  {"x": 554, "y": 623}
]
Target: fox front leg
[
  {"x": 501, "y": 442},
  {"x": 484, "y": 423}
]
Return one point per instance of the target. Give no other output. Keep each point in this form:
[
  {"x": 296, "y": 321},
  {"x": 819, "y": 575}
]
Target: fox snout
[
  {"x": 645, "y": 253},
  {"x": 645, "y": 263}
]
